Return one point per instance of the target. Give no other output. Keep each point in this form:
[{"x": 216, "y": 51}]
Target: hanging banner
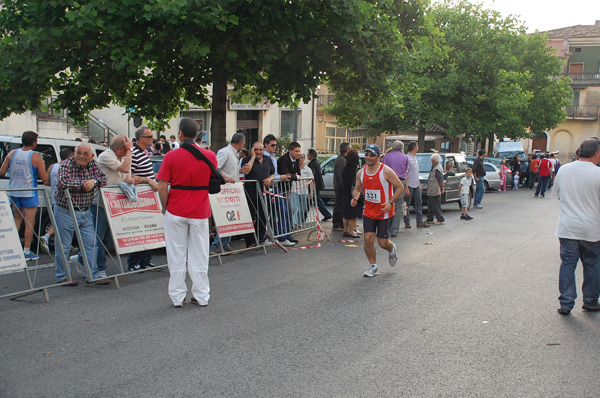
[
  {"x": 11, "y": 252},
  {"x": 135, "y": 226},
  {"x": 230, "y": 210}
]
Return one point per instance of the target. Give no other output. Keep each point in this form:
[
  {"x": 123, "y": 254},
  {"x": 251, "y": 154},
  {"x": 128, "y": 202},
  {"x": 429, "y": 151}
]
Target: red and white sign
[
  {"x": 230, "y": 210},
  {"x": 135, "y": 226}
]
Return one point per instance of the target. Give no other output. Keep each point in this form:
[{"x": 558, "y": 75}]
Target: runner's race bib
[{"x": 373, "y": 195}]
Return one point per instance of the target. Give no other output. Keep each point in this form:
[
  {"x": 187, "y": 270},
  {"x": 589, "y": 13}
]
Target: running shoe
[
  {"x": 372, "y": 271},
  {"x": 74, "y": 260},
  {"x": 393, "y": 257},
  {"x": 31, "y": 256},
  {"x": 44, "y": 244}
]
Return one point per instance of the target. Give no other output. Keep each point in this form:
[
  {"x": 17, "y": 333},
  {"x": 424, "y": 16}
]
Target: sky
[{"x": 547, "y": 14}]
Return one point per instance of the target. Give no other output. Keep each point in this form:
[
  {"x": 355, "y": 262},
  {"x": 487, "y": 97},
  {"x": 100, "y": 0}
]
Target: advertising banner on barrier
[
  {"x": 11, "y": 252},
  {"x": 230, "y": 210},
  {"x": 135, "y": 226}
]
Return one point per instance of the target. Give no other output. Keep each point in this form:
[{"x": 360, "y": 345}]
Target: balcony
[
  {"x": 591, "y": 112},
  {"x": 325, "y": 99},
  {"x": 582, "y": 80}
]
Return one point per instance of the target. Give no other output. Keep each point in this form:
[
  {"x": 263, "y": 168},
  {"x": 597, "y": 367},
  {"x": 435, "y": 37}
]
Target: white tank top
[
  {"x": 54, "y": 179},
  {"x": 23, "y": 174}
]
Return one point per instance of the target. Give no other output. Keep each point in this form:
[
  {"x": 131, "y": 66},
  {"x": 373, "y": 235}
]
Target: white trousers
[{"x": 187, "y": 241}]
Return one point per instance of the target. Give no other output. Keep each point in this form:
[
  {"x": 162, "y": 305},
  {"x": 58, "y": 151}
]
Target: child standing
[
  {"x": 465, "y": 190},
  {"x": 503, "y": 169},
  {"x": 516, "y": 181}
]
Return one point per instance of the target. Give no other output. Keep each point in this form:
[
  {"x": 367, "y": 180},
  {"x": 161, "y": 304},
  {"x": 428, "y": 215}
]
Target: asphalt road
[{"x": 471, "y": 315}]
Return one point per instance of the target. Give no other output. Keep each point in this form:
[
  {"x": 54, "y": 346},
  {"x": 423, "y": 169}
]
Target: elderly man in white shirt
[{"x": 228, "y": 159}]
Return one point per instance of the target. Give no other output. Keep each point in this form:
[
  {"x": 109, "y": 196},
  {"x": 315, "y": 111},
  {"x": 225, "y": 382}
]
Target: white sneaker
[
  {"x": 393, "y": 257},
  {"x": 357, "y": 232},
  {"x": 372, "y": 271},
  {"x": 74, "y": 260},
  {"x": 102, "y": 274},
  {"x": 287, "y": 243}
]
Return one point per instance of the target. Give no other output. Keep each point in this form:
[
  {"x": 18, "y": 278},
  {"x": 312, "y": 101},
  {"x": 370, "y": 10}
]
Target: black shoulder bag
[{"x": 216, "y": 180}]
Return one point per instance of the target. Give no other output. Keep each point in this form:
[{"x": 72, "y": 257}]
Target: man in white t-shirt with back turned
[{"x": 577, "y": 187}]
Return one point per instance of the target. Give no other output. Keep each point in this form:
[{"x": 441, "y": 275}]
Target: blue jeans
[
  {"x": 103, "y": 237},
  {"x": 322, "y": 207},
  {"x": 66, "y": 228},
  {"x": 225, "y": 242},
  {"x": 542, "y": 185},
  {"x": 571, "y": 251},
  {"x": 479, "y": 192},
  {"x": 279, "y": 209}
]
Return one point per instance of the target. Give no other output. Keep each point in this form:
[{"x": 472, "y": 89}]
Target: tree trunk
[
  {"x": 421, "y": 140},
  {"x": 218, "y": 128},
  {"x": 491, "y": 140}
]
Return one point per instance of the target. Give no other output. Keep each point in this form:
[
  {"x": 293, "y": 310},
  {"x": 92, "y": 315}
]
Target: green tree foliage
[
  {"x": 160, "y": 55},
  {"x": 478, "y": 75}
]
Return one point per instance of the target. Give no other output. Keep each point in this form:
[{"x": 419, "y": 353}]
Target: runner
[{"x": 377, "y": 180}]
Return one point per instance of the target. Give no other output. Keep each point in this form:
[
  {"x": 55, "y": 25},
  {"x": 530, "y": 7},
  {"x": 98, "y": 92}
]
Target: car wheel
[{"x": 486, "y": 185}]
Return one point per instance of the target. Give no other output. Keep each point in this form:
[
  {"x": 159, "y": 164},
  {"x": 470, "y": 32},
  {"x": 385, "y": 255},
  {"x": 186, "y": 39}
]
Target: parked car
[
  {"x": 49, "y": 149},
  {"x": 452, "y": 178},
  {"x": 492, "y": 177},
  {"x": 495, "y": 161},
  {"x": 327, "y": 170}
]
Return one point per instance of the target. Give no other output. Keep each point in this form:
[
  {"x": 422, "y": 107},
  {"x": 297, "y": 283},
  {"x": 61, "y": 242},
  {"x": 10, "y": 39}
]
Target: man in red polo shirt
[{"x": 187, "y": 210}]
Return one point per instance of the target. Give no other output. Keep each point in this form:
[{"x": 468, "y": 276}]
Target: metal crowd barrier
[
  {"x": 291, "y": 206},
  {"x": 39, "y": 274},
  {"x": 263, "y": 234},
  {"x": 284, "y": 208},
  {"x": 114, "y": 261}
]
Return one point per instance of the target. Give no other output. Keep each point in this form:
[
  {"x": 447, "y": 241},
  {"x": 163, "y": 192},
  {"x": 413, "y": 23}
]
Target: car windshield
[{"x": 424, "y": 163}]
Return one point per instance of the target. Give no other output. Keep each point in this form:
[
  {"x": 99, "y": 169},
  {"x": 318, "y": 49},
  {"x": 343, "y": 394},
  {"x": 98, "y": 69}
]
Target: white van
[{"x": 50, "y": 149}]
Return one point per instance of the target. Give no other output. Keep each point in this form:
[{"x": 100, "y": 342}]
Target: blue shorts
[
  {"x": 25, "y": 203},
  {"x": 382, "y": 227}
]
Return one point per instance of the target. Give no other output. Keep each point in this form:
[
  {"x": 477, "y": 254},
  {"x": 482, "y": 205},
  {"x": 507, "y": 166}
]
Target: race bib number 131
[{"x": 372, "y": 195}]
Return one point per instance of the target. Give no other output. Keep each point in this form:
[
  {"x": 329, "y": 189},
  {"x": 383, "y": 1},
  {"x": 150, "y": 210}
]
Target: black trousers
[
  {"x": 338, "y": 210},
  {"x": 258, "y": 218},
  {"x": 434, "y": 208}
]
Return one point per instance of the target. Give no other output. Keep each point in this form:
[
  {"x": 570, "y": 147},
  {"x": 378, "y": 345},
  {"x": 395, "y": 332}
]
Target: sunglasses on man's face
[{"x": 370, "y": 155}]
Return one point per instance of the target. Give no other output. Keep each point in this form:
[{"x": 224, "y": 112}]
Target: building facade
[{"x": 579, "y": 47}]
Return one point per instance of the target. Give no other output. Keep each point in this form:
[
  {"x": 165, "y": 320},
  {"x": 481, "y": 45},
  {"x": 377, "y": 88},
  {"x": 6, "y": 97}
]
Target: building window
[
  {"x": 576, "y": 98},
  {"x": 577, "y": 49},
  {"x": 287, "y": 123},
  {"x": 334, "y": 136}
]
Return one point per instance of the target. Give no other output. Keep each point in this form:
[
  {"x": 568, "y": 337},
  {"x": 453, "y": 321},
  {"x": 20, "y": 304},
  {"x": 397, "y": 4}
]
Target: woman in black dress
[{"x": 350, "y": 214}]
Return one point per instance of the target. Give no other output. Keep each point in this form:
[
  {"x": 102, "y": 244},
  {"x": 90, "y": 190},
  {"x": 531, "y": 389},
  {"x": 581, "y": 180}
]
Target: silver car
[
  {"x": 492, "y": 176},
  {"x": 327, "y": 171}
]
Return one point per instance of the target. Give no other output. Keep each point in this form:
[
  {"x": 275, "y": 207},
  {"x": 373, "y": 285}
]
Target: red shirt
[
  {"x": 179, "y": 167},
  {"x": 545, "y": 167},
  {"x": 534, "y": 165},
  {"x": 377, "y": 191}
]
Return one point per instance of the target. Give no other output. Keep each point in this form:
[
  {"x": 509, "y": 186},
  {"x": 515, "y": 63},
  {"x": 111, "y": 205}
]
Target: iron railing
[{"x": 587, "y": 111}]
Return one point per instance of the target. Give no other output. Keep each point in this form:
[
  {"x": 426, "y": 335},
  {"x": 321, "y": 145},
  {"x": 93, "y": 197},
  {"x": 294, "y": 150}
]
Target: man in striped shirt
[{"x": 141, "y": 166}]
